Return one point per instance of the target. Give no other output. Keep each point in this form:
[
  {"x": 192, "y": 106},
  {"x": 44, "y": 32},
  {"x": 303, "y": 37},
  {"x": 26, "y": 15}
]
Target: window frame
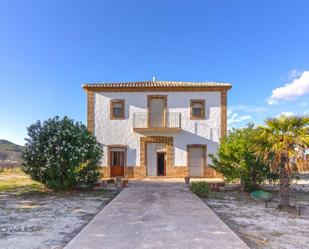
[
  {"x": 117, "y": 101},
  {"x": 197, "y": 101},
  {"x": 165, "y": 113},
  {"x": 110, "y": 149}
]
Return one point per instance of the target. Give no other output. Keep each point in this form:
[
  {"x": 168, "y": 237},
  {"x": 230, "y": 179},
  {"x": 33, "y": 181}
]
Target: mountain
[{"x": 10, "y": 151}]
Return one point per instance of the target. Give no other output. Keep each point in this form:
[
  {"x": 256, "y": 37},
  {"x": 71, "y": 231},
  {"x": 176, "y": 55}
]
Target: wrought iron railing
[{"x": 157, "y": 120}]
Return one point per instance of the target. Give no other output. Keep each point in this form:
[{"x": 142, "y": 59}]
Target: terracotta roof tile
[{"x": 155, "y": 84}]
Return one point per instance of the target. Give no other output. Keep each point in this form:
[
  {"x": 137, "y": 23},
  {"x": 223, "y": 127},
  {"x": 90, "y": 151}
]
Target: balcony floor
[{"x": 159, "y": 129}]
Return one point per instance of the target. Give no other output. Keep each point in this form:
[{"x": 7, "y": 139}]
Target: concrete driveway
[{"x": 156, "y": 214}]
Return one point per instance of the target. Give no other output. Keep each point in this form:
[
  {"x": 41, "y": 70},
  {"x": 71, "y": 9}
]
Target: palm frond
[{"x": 284, "y": 135}]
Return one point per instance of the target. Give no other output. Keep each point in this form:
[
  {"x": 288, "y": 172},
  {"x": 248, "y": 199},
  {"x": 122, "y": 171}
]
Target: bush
[
  {"x": 111, "y": 181},
  {"x": 62, "y": 154},
  {"x": 201, "y": 189},
  {"x": 237, "y": 159}
]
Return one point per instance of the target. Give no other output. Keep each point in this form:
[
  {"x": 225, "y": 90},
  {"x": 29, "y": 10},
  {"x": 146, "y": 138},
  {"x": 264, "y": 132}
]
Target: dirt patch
[
  {"x": 31, "y": 220},
  {"x": 262, "y": 227}
]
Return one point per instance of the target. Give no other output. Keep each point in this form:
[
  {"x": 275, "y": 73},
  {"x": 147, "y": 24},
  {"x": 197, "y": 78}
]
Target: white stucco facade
[{"x": 115, "y": 132}]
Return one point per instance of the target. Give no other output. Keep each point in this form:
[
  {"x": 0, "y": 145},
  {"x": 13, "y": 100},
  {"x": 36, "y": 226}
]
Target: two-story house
[{"x": 157, "y": 128}]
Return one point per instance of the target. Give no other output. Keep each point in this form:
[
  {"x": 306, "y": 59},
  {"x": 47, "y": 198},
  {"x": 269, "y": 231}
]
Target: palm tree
[{"x": 282, "y": 141}]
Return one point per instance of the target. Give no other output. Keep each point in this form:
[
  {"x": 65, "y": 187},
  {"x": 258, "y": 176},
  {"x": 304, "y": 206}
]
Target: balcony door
[{"x": 157, "y": 111}]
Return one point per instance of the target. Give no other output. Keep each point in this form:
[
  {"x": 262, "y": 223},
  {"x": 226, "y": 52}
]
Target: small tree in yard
[
  {"x": 281, "y": 142},
  {"x": 237, "y": 160},
  {"x": 62, "y": 154}
]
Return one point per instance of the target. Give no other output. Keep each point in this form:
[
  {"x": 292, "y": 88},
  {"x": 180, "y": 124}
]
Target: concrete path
[{"x": 156, "y": 214}]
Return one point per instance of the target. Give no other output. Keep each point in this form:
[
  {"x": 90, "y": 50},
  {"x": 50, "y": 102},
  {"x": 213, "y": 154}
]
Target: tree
[
  {"x": 281, "y": 141},
  {"x": 237, "y": 160},
  {"x": 62, "y": 154}
]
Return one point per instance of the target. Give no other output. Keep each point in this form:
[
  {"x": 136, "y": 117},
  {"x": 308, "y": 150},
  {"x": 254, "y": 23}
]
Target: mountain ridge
[{"x": 10, "y": 152}]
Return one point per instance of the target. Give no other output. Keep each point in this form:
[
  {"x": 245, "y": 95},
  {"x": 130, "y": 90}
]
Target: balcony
[{"x": 163, "y": 122}]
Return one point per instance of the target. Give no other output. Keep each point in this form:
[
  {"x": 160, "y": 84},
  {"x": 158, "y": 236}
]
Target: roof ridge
[
  {"x": 157, "y": 84},
  {"x": 158, "y": 81}
]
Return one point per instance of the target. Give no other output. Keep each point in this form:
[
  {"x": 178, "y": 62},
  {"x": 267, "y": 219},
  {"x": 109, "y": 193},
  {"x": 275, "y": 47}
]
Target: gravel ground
[
  {"x": 32, "y": 220},
  {"x": 262, "y": 227}
]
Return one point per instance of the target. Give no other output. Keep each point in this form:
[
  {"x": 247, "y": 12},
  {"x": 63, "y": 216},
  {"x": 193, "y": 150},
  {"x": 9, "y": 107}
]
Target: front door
[
  {"x": 117, "y": 163},
  {"x": 153, "y": 149},
  {"x": 161, "y": 163},
  {"x": 196, "y": 161},
  {"x": 157, "y": 112}
]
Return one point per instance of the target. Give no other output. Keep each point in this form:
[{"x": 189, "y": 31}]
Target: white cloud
[
  {"x": 233, "y": 117},
  {"x": 298, "y": 87},
  {"x": 294, "y": 73},
  {"x": 285, "y": 114}
]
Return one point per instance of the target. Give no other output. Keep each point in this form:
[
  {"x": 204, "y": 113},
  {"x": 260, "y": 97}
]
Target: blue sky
[{"x": 49, "y": 48}]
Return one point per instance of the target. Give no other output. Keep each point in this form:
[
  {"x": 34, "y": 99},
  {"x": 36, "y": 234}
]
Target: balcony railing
[{"x": 170, "y": 121}]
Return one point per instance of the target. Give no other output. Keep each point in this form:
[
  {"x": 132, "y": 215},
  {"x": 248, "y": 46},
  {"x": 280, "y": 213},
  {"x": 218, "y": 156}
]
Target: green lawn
[{"x": 15, "y": 180}]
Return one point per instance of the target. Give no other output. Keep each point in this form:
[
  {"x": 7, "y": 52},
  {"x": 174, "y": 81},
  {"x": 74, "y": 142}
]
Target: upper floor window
[
  {"x": 117, "y": 109},
  {"x": 197, "y": 109}
]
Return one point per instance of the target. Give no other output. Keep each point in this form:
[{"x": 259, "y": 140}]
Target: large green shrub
[
  {"x": 62, "y": 154},
  {"x": 236, "y": 159},
  {"x": 201, "y": 189}
]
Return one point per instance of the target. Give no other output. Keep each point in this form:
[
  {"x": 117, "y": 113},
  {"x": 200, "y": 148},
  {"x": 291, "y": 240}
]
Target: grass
[
  {"x": 15, "y": 180},
  {"x": 201, "y": 189}
]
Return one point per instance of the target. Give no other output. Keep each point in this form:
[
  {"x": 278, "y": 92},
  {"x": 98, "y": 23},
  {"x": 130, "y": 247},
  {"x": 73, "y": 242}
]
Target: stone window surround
[
  {"x": 149, "y": 98},
  {"x": 204, "y": 147},
  {"x": 116, "y": 146},
  {"x": 117, "y": 101},
  {"x": 197, "y": 101},
  {"x": 168, "y": 141}
]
